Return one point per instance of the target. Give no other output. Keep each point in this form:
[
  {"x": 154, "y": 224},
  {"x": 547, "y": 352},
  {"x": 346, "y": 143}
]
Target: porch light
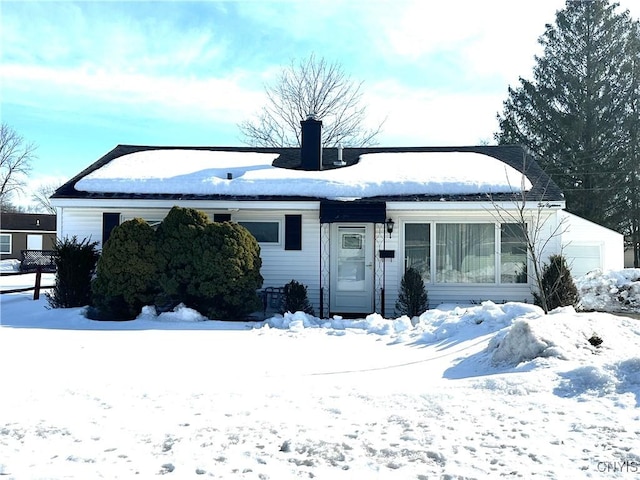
[{"x": 390, "y": 224}]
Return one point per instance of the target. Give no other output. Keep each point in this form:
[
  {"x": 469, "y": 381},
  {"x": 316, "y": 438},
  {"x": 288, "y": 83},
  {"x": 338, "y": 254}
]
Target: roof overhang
[{"x": 332, "y": 211}]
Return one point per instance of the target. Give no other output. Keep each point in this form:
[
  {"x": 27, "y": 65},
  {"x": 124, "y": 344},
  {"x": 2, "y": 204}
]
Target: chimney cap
[{"x": 312, "y": 116}]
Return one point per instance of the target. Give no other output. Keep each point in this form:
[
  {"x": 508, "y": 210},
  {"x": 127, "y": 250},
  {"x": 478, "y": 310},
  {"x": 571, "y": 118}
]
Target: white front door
[
  {"x": 351, "y": 268},
  {"x": 34, "y": 242}
]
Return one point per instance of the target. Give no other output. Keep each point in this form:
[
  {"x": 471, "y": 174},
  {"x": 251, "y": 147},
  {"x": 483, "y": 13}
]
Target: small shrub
[
  {"x": 126, "y": 274},
  {"x": 412, "y": 299},
  {"x": 75, "y": 264},
  {"x": 558, "y": 285},
  {"x": 296, "y": 298}
]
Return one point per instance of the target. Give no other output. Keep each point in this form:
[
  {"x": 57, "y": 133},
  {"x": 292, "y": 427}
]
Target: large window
[
  {"x": 513, "y": 254},
  {"x": 265, "y": 232},
  {"x": 417, "y": 248},
  {"x": 465, "y": 253},
  {"x": 5, "y": 243}
]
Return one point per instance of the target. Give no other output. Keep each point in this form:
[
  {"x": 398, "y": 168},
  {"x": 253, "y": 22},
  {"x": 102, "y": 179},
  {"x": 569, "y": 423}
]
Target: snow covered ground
[{"x": 487, "y": 391}]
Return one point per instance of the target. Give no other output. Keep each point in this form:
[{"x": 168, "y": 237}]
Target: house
[
  {"x": 346, "y": 222},
  {"x": 25, "y": 231}
]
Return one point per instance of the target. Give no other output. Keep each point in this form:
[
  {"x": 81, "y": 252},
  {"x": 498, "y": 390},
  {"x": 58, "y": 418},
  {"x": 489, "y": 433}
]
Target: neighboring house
[
  {"x": 348, "y": 222},
  {"x": 25, "y": 231}
]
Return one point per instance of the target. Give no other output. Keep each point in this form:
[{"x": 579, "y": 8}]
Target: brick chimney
[{"x": 311, "y": 150}]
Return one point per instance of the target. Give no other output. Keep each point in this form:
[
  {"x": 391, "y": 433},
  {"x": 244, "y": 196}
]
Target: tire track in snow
[{"x": 483, "y": 339}]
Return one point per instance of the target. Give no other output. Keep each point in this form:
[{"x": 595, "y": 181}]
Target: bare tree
[
  {"x": 312, "y": 86},
  {"x": 15, "y": 161},
  {"x": 532, "y": 222},
  {"x": 41, "y": 197}
]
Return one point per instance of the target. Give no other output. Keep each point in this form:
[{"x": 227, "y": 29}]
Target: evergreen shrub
[
  {"x": 180, "y": 250},
  {"x": 126, "y": 275},
  {"x": 412, "y": 298},
  {"x": 230, "y": 273},
  {"x": 296, "y": 298},
  {"x": 557, "y": 284},
  {"x": 75, "y": 265},
  {"x": 211, "y": 267}
]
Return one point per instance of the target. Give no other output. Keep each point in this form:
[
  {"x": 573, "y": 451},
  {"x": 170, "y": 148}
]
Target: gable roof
[
  {"x": 38, "y": 222},
  {"x": 100, "y": 181}
]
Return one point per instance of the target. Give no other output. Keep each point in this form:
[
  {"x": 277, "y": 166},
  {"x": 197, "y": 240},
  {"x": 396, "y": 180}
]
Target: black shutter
[
  {"x": 293, "y": 232},
  {"x": 109, "y": 222}
]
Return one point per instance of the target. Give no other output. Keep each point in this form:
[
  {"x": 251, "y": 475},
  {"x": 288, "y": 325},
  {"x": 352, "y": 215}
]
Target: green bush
[
  {"x": 75, "y": 264},
  {"x": 296, "y": 299},
  {"x": 557, "y": 284},
  {"x": 211, "y": 267},
  {"x": 126, "y": 275},
  {"x": 180, "y": 250},
  {"x": 412, "y": 299}
]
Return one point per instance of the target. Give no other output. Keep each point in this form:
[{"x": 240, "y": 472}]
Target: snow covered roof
[{"x": 222, "y": 172}]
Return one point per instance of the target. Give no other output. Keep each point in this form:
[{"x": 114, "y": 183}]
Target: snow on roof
[{"x": 205, "y": 172}]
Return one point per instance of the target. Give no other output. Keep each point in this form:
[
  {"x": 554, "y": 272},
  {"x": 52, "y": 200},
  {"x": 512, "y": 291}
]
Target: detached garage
[{"x": 588, "y": 246}]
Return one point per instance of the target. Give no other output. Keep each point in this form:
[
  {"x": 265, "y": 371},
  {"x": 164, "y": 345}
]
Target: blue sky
[{"x": 78, "y": 78}]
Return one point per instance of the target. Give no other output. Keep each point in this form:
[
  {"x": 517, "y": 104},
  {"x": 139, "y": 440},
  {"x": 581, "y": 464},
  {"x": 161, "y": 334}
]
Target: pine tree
[
  {"x": 557, "y": 283},
  {"x": 627, "y": 211},
  {"x": 296, "y": 298},
  {"x": 412, "y": 299},
  {"x": 572, "y": 114}
]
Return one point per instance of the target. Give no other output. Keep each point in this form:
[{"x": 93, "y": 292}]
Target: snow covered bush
[
  {"x": 558, "y": 287},
  {"x": 211, "y": 267},
  {"x": 412, "y": 299},
  {"x": 75, "y": 264},
  {"x": 126, "y": 275},
  {"x": 296, "y": 298}
]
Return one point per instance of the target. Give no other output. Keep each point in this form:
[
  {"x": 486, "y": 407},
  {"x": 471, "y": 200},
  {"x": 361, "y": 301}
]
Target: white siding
[
  {"x": 83, "y": 223},
  {"x": 278, "y": 266}
]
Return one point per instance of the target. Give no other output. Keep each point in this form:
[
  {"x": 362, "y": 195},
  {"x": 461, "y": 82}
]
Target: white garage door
[{"x": 583, "y": 257}]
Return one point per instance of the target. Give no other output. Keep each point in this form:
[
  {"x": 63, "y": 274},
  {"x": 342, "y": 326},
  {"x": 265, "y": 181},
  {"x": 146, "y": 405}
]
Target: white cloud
[
  {"x": 219, "y": 99},
  {"x": 426, "y": 117}
]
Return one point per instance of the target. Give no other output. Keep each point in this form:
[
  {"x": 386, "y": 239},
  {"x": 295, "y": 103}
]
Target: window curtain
[
  {"x": 465, "y": 253},
  {"x": 417, "y": 249}
]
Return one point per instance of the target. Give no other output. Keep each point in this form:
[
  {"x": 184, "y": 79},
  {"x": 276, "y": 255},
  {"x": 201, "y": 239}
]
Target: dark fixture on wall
[{"x": 390, "y": 224}]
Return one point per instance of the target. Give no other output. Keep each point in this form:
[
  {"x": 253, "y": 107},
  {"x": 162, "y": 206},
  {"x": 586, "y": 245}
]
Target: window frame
[
  {"x": 429, "y": 260},
  {"x": 497, "y": 249},
  {"x": 278, "y": 222},
  {"x": 435, "y": 253},
  {"x": 502, "y": 253},
  {"x": 10, "y": 243}
]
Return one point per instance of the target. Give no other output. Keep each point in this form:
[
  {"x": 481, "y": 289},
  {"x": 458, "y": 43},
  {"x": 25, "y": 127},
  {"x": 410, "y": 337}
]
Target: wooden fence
[{"x": 36, "y": 288}]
